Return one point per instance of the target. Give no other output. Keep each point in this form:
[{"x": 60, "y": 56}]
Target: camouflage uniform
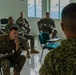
[
  {"x": 23, "y": 41},
  {"x": 50, "y": 25},
  {"x": 22, "y": 22},
  {"x": 2, "y": 32},
  {"x": 8, "y": 26},
  {"x": 8, "y": 46},
  {"x": 62, "y": 60},
  {"x": 27, "y": 36}
]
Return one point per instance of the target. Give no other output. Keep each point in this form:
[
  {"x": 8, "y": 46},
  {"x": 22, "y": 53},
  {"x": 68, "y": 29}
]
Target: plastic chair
[
  {"x": 3, "y": 21},
  {"x": 46, "y": 43}
]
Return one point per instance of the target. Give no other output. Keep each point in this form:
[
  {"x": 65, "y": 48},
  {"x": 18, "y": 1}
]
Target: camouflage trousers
[
  {"x": 31, "y": 38},
  {"x": 49, "y": 30},
  {"x": 5, "y": 63},
  {"x": 23, "y": 42}
]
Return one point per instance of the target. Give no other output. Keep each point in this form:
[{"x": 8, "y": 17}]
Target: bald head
[{"x": 69, "y": 17}]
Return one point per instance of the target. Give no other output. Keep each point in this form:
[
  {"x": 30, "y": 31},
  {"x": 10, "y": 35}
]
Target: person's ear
[{"x": 62, "y": 26}]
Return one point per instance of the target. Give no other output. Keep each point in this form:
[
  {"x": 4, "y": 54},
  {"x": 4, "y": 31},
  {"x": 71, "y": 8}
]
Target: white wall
[
  {"x": 14, "y": 7},
  {"x": 11, "y": 8},
  {"x": 73, "y": 1}
]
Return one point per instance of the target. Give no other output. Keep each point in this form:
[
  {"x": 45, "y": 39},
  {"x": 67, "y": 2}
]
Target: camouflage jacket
[
  {"x": 22, "y": 22},
  {"x": 8, "y": 26},
  {"x": 6, "y": 45},
  {"x": 49, "y": 21},
  {"x": 62, "y": 60},
  {"x": 2, "y": 32}
]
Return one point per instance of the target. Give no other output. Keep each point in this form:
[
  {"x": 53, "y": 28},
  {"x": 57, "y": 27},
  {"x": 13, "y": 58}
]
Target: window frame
[
  {"x": 34, "y": 10},
  {"x": 58, "y": 9}
]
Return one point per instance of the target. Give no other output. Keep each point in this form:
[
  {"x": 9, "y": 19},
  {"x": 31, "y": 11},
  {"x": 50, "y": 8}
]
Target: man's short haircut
[
  {"x": 10, "y": 18},
  {"x": 69, "y": 11},
  {"x": 13, "y": 28},
  {"x": 69, "y": 17},
  {"x": 47, "y": 13},
  {"x": 21, "y": 12}
]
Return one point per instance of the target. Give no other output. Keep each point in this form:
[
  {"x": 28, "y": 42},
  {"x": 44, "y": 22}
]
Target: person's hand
[
  {"x": 52, "y": 30},
  {"x": 16, "y": 43},
  {"x": 45, "y": 25}
]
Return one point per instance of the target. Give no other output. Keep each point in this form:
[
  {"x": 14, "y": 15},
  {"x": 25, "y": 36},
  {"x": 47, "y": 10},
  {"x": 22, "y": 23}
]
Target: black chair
[{"x": 3, "y": 21}]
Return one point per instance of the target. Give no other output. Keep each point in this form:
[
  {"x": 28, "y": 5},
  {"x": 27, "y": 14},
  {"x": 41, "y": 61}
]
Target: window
[
  {"x": 56, "y": 7},
  {"x": 34, "y": 8}
]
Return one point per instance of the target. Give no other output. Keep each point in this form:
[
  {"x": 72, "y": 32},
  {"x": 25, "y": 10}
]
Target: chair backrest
[
  {"x": 3, "y": 21},
  {"x": 43, "y": 37}
]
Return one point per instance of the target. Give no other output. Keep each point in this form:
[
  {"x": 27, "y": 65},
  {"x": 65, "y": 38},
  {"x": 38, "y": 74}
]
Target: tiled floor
[{"x": 33, "y": 64}]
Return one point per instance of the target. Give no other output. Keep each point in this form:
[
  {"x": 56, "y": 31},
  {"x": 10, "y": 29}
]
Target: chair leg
[
  {"x": 0, "y": 71},
  {"x": 41, "y": 54}
]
